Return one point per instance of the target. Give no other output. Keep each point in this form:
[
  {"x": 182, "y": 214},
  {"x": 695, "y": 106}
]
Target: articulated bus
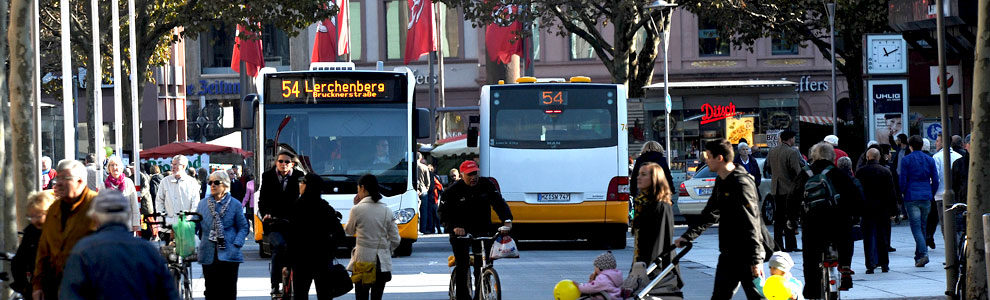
[
  {"x": 559, "y": 154},
  {"x": 344, "y": 123}
]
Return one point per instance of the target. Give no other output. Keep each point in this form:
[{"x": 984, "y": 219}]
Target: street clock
[{"x": 886, "y": 54}]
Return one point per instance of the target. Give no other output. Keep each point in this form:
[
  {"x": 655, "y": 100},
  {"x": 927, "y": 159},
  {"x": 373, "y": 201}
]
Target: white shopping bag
[{"x": 504, "y": 247}]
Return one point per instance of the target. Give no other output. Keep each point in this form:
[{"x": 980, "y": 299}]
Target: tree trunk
[
  {"x": 22, "y": 91},
  {"x": 90, "y": 116},
  {"x": 979, "y": 154},
  {"x": 8, "y": 214}
]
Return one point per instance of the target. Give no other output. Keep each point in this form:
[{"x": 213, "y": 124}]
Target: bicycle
[
  {"x": 959, "y": 210},
  {"x": 830, "y": 272},
  {"x": 484, "y": 278},
  {"x": 180, "y": 266}
]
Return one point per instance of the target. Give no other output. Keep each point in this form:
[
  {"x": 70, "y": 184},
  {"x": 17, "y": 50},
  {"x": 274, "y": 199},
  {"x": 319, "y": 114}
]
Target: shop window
[
  {"x": 710, "y": 41},
  {"x": 581, "y": 49},
  {"x": 536, "y": 40},
  {"x": 217, "y": 46},
  {"x": 396, "y": 25},
  {"x": 357, "y": 39},
  {"x": 779, "y": 45}
]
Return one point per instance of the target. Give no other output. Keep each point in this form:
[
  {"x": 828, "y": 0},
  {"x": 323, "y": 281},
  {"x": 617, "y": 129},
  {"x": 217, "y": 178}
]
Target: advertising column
[{"x": 887, "y": 108}]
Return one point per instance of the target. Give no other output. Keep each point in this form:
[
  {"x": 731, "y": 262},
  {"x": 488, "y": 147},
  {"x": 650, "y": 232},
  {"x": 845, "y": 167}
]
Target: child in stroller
[
  {"x": 605, "y": 282},
  {"x": 643, "y": 283}
]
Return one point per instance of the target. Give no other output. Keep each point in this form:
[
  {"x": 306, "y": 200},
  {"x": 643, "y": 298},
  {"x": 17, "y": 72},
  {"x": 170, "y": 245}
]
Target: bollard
[{"x": 986, "y": 244}]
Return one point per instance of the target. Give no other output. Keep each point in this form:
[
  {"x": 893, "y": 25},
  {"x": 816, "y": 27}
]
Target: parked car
[{"x": 693, "y": 194}]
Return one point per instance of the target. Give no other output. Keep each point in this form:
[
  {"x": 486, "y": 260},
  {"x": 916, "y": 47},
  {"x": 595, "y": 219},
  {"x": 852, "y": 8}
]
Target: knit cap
[
  {"x": 605, "y": 261},
  {"x": 781, "y": 261}
]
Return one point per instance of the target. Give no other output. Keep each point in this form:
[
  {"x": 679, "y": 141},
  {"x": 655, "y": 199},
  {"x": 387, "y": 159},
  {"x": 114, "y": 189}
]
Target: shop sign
[
  {"x": 888, "y": 106},
  {"x": 717, "y": 112},
  {"x": 773, "y": 137},
  {"x": 196, "y": 161},
  {"x": 952, "y": 84},
  {"x": 217, "y": 87},
  {"x": 807, "y": 85}
]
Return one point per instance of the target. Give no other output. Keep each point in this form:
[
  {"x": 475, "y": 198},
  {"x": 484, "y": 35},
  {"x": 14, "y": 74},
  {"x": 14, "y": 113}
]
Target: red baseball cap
[{"x": 468, "y": 166}]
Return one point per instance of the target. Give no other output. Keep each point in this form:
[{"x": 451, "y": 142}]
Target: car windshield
[{"x": 704, "y": 172}]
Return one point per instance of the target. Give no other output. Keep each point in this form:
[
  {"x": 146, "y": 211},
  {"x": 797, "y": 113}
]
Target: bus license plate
[
  {"x": 553, "y": 197},
  {"x": 704, "y": 191}
]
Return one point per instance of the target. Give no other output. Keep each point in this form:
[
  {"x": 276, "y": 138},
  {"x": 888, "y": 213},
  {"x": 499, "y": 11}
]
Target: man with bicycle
[
  {"x": 465, "y": 208},
  {"x": 279, "y": 191},
  {"x": 177, "y": 192}
]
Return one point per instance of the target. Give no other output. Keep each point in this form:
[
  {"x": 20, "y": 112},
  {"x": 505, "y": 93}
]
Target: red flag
[
  {"x": 421, "y": 31},
  {"x": 343, "y": 20},
  {"x": 247, "y": 47},
  {"x": 501, "y": 42},
  {"x": 324, "y": 44}
]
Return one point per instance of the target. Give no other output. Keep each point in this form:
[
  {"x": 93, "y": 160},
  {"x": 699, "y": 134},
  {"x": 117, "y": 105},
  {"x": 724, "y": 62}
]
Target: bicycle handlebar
[{"x": 159, "y": 218}]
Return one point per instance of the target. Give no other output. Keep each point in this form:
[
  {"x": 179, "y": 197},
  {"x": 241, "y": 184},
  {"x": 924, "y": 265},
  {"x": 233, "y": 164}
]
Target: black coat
[
  {"x": 277, "y": 201},
  {"x": 735, "y": 204},
  {"x": 24, "y": 260},
  {"x": 960, "y": 173},
  {"x": 463, "y": 206},
  {"x": 654, "y": 157},
  {"x": 654, "y": 227},
  {"x": 850, "y": 198},
  {"x": 315, "y": 230},
  {"x": 880, "y": 200},
  {"x": 752, "y": 167}
]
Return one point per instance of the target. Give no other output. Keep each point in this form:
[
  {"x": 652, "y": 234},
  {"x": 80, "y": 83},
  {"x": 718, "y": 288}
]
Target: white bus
[
  {"x": 344, "y": 123},
  {"x": 559, "y": 154}
]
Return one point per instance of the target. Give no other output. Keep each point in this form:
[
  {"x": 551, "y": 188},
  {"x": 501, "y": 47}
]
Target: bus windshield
[
  {"x": 586, "y": 120},
  {"x": 343, "y": 142}
]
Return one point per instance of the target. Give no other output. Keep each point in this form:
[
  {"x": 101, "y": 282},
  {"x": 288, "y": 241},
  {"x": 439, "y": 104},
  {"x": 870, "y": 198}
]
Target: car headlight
[{"x": 404, "y": 215}]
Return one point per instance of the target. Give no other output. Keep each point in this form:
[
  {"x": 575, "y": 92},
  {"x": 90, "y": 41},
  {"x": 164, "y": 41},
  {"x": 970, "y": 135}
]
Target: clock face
[{"x": 886, "y": 55}]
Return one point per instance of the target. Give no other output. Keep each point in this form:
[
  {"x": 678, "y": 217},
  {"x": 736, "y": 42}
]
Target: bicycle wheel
[
  {"x": 186, "y": 283},
  {"x": 452, "y": 287},
  {"x": 176, "y": 277},
  {"x": 287, "y": 284},
  {"x": 491, "y": 288}
]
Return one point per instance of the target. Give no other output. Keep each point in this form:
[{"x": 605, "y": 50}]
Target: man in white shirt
[
  {"x": 177, "y": 192},
  {"x": 937, "y": 209}
]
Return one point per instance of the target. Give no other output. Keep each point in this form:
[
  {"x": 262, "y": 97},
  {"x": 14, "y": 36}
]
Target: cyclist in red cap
[{"x": 465, "y": 208}]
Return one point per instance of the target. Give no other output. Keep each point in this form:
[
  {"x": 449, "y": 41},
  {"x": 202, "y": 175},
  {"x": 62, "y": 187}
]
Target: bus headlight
[{"x": 405, "y": 215}]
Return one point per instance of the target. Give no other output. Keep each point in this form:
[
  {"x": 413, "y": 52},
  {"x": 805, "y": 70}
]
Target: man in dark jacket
[
  {"x": 112, "y": 263},
  {"x": 747, "y": 162},
  {"x": 960, "y": 171},
  {"x": 784, "y": 164},
  {"x": 879, "y": 206},
  {"x": 279, "y": 191},
  {"x": 735, "y": 205},
  {"x": 465, "y": 208},
  {"x": 315, "y": 233},
  {"x": 829, "y": 224}
]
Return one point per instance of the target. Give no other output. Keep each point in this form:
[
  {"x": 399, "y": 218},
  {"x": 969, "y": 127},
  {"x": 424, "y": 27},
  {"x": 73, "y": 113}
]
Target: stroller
[{"x": 647, "y": 283}]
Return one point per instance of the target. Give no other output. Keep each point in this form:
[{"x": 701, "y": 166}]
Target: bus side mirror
[
  {"x": 472, "y": 133},
  {"x": 422, "y": 123},
  {"x": 249, "y": 106}
]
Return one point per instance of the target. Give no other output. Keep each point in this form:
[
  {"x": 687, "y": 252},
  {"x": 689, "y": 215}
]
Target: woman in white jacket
[{"x": 373, "y": 226}]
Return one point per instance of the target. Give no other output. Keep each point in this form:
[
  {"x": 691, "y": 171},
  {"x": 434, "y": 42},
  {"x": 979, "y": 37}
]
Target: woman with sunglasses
[{"x": 222, "y": 233}]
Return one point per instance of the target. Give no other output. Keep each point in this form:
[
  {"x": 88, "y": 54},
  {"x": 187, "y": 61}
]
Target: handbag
[{"x": 340, "y": 280}]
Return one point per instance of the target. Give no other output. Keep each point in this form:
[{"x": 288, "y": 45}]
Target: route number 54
[{"x": 550, "y": 97}]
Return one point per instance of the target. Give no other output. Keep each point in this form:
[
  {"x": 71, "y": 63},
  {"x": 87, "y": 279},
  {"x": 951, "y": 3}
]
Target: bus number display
[
  {"x": 317, "y": 89},
  {"x": 553, "y": 98}
]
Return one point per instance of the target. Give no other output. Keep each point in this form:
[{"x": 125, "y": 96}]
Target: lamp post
[
  {"x": 665, "y": 33},
  {"x": 831, "y": 40}
]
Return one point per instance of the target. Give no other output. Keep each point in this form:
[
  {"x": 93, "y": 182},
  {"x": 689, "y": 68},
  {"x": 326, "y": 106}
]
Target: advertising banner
[
  {"x": 738, "y": 129},
  {"x": 888, "y": 108}
]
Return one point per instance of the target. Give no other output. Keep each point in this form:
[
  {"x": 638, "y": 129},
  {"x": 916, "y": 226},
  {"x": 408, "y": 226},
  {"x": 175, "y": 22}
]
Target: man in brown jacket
[
  {"x": 67, "y": 223},
  {"x": 784, "y": 165}
]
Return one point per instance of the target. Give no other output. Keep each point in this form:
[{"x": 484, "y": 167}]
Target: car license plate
[
  {"x": 553, "y": 197},
  {"x": 704, "y": 191}
]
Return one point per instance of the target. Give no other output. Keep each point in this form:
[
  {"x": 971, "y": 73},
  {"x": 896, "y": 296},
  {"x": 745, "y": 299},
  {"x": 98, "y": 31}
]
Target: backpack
[{"x": 819, "y": 193}]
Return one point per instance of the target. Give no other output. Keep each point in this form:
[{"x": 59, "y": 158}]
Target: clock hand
[{"x": 885, "y": 51}]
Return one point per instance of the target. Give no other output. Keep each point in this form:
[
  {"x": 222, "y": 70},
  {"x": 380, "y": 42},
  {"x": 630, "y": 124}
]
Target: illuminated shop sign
[{"x": 717, "y": 112}]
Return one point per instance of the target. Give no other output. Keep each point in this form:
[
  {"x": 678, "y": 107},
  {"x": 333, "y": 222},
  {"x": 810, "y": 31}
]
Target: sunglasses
[
  {"x": 215, "y": 182},
  {"x": 472, "y": 174},
  {"x": 285, "y": 161}
]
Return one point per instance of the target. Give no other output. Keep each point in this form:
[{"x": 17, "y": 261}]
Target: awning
[
  {"x": 457, "y": 146},
  {"x": 187, "y": 148},
  {"x": 816, "y": 120}
]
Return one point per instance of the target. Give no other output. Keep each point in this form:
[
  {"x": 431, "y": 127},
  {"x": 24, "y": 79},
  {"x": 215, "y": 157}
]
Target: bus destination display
[
  {"x": 553, "y": 97},
  {"x": 325, "y": 89}
]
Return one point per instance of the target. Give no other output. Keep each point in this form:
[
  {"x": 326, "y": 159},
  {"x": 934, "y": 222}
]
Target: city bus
[
  {"x": 558, "y": 152},
  {"x": 344, "y": 123}
]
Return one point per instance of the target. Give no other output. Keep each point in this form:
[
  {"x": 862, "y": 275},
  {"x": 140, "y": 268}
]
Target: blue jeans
[{"x": 918, "y": 215}]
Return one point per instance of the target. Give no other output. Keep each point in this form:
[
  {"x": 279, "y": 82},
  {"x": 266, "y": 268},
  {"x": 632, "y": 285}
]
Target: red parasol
[{"x": 188, "y": 148}]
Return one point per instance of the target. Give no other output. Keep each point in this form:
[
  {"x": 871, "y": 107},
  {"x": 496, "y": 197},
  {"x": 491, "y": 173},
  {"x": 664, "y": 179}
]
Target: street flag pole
[
  {"x": 96, "y": 68},
  {"x": 118, "y": 101},
  {"x": 68, "y": 114},
  {"x": 135, "y": 147},
  {"x": 948, "y": 227},
  {"x": 442, "y": 130}
]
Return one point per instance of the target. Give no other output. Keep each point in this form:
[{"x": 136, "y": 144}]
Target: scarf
[
  {"x": 216, "y": 233},
  {"x": 115, "y": 183}
]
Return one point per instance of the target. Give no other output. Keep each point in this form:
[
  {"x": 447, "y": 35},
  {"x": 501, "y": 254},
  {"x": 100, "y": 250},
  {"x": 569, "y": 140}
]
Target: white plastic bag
[{"x": 504, "y": 247}]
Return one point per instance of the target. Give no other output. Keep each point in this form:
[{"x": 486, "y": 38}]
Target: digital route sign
[{"x": 334, "y": 87}]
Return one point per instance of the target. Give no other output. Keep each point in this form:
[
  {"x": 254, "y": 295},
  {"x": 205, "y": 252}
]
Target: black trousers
[
  {"x": 279, "y": 259},
  {"x": 462, "y": 258},
  {"x": 876, "y": 241},
  {"x": 375, "y": 290},
  {"x": 729, "y": 274},
  {"x": 934, "y": 219},
  {"x": 816, "y": 234},
  {"x": 304, "y": 275},
  {"x": 221, "y": 280},
  {"x": 785, "y": 238}
]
